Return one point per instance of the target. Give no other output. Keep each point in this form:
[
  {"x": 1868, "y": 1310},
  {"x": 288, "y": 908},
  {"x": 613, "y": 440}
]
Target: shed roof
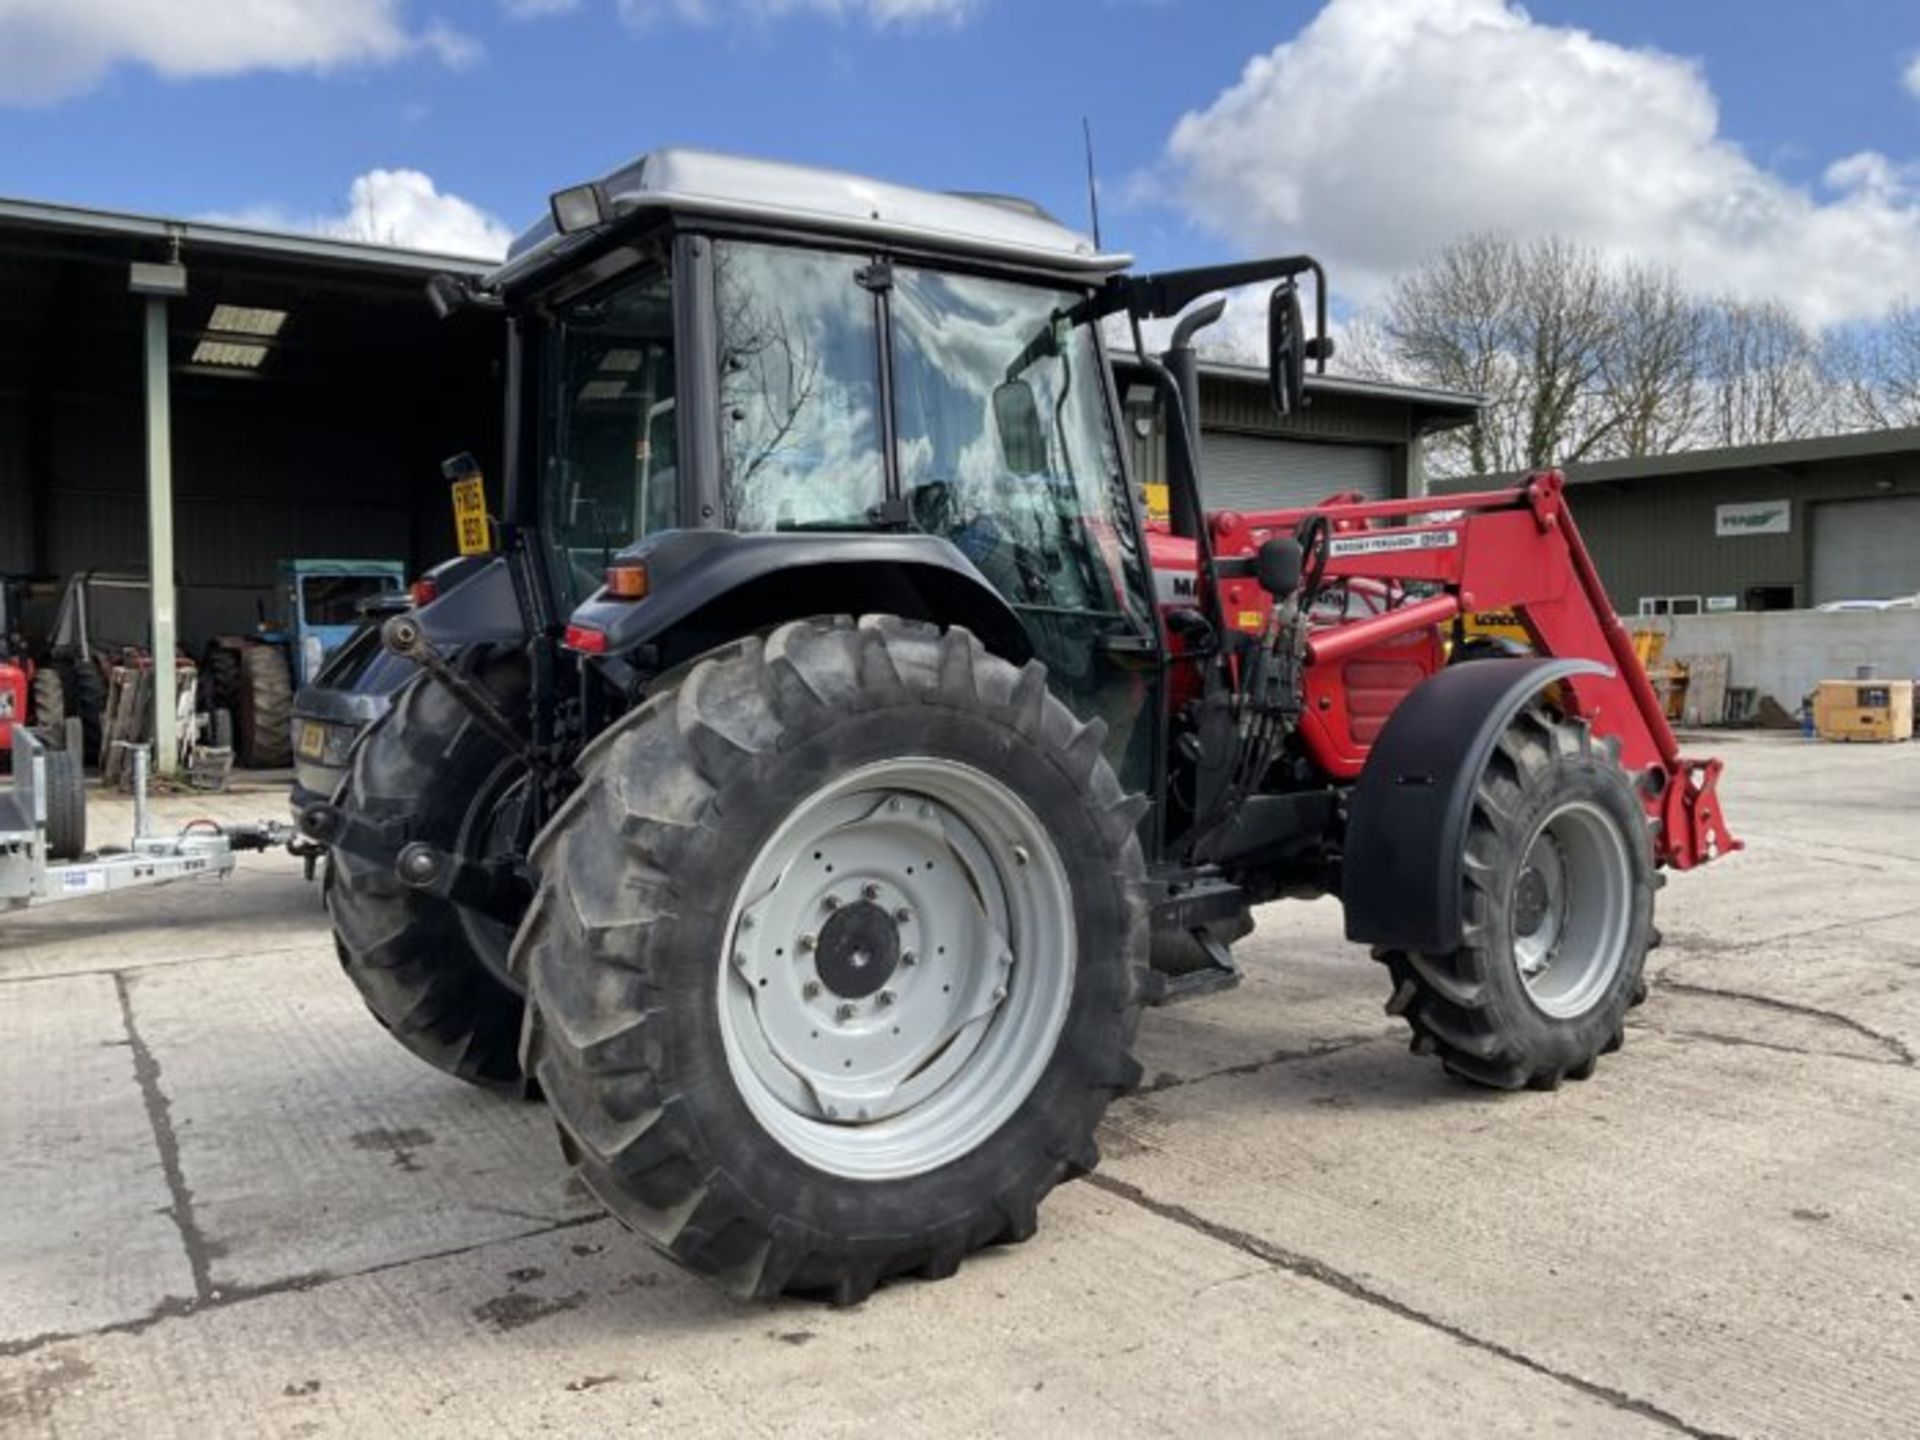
[
  {"x": 1440, "y": 409},
  {"x": 229, "y": 238},
  {"x": 1777, "y": 455}
]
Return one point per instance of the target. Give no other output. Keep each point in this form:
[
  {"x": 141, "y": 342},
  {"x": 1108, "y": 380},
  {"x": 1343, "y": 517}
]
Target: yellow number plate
[
  {"x": 313, "y": 740},
  {"x": 470, "y": 516}
]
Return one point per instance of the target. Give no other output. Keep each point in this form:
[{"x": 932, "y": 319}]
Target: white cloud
[
  {"x": 402, "y": 208},
  {"x": 537, "y": 9},
  {"x": 644, "y": 13},
  {"x": 50, "y": 49},
  {"x": 1387, "y": 129},
  {"x": 1911, "y": 77}
]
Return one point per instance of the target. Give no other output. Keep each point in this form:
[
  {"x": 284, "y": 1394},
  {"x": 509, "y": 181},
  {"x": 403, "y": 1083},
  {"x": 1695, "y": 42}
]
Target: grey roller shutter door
[
  {"x": 1249, "y": 472},
  {"x": 1866, "y": 549}
]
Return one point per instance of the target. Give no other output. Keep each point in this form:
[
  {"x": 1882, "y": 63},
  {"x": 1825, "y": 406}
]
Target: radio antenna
[{"x": 1093, "y": 187}]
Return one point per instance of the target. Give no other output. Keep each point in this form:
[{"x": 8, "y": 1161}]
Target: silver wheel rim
[
  {"x": 1571, "y": 911},
  {"x": 899, "y": 964}
]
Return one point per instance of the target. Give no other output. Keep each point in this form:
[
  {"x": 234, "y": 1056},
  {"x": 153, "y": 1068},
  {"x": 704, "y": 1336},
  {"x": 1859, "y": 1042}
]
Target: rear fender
[
  {"x": 1409, "y": 813},
  {"x": 482, "y": 609},
  {"x": 706, "y": 587}
]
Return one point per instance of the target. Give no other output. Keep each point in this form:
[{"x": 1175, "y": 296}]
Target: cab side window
[{"x": 799, "y": 389}]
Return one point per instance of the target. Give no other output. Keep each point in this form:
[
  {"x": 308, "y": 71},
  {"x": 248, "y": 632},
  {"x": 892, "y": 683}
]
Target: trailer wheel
[
  {"x": 49, "y": 701},
  {"x": 66, "y": 805},
  {"x": 1557, "y": 896},
  {"x": 266, "y": 708},
  {"x": 433, "y": 973},
  {"x": 837, "y": 957}
]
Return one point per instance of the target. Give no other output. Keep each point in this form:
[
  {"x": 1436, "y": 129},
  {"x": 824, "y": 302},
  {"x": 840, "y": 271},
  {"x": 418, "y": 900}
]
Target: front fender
[
  {"x": 705, "y": 587},
  {"x": 1410, "y": 810}
]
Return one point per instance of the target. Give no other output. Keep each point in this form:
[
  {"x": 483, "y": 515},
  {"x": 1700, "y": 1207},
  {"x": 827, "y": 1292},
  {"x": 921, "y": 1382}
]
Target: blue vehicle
[{"x": 254, "y": 677}]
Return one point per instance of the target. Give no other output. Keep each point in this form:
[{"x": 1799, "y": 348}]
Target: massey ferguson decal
[{"x": 1385, "y": 542}]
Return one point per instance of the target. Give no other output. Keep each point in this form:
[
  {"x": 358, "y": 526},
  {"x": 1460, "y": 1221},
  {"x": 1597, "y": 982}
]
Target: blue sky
[{"x": 1489, "y": 115}]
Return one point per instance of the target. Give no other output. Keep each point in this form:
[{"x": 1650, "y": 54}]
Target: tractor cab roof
[{"x": 699, "y": 184}]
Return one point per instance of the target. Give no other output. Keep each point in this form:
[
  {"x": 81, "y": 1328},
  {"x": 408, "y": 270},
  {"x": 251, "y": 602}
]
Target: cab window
[
  {"x": 1004, "y": 443},
  {"x": 799, "y": 389},
  {"x": 611, "y": 446}
]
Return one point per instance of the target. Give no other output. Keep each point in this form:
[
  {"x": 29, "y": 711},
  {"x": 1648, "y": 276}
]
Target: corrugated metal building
[
  {"x": 1353, "y": 435},
  {"x": 313, "y": 395},
  {"x": 1784, "y": 526}
]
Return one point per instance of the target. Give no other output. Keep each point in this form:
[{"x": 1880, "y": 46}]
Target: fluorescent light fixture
[
  {"x": 246, "y": 320},
  {"x": 603, "y": 389},
  {"x": 229, "y": 354},
  {"x": 621, "y": 362}
]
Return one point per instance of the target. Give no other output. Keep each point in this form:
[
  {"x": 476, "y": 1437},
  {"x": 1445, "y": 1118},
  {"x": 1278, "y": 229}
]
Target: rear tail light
[
  {"x": 586, "y": 640},
  {"x": 423, "y": 592}
]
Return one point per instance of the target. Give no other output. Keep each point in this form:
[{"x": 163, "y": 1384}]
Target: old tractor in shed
[{"x": 811, "y": 792}]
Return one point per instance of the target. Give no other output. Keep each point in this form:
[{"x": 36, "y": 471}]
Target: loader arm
[{"x": 1423, "y": 564}]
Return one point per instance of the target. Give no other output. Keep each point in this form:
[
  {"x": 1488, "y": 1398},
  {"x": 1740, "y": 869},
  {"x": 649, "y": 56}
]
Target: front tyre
[
  {"x": 1557, "y": 891},
  {"x": 837, "y": 957}
]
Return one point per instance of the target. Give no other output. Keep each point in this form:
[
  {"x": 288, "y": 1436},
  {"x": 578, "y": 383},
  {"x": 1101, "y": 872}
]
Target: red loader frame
[{"x": 1515, "y": 550}]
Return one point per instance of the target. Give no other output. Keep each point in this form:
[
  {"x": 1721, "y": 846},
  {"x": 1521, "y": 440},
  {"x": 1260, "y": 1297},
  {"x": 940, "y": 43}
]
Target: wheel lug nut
[
  {"x": 1020, "y": 856},
  {"x": 883, "y": 999},
  {"x": 902, "y": 915},
  {"x": 869, "y": 892},
  {"x": 831, "y": 903},
  {"x": 999, "y": 994},
  {"x": 739, "y": 960},
  {"x": 807, "y": 942},
  {"x": 844, "y": 1010},
  {"x": 746, "y": 922},
  {"x": 810, "y": 990},
  {"x": 907, "y": 957}
]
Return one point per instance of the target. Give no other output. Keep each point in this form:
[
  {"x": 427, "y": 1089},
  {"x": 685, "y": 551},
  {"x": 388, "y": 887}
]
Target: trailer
[{"x": 38, "y": 869}]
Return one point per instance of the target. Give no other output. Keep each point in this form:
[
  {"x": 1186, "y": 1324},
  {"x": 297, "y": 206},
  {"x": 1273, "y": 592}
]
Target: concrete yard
[{"x": 230, "y": 1205}]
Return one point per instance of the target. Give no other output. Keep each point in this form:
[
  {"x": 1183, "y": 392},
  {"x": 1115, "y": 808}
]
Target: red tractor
[{"x": 812, "y": 790}]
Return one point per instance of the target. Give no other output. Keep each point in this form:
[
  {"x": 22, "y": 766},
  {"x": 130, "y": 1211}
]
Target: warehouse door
[
  {"x": 1866, "y": 549},
  {"x": 1252, "y": 472}
]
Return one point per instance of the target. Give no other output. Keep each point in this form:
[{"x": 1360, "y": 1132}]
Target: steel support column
[{"x": 166, "y": 746}]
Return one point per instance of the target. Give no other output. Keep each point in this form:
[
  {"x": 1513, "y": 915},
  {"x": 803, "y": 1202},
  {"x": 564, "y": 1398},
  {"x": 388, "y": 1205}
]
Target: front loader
[{"x": 811, "y": 791}]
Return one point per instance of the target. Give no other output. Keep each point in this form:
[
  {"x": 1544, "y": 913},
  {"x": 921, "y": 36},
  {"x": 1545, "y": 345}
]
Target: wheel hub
[
  {"x": 858, "y": 950},
  {"x": 899, "y": 963},
  {"x": 1530, "y": 900},
  {"x": 1571, "y": 909}
]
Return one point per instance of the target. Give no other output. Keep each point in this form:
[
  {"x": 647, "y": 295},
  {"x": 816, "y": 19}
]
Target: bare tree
[
  {"x": 1876, "y": 369},
  {"x": 1650, "y": 379},
  {"x": 1764, "y": 373},
  {"x": 1581, "y": 360}
]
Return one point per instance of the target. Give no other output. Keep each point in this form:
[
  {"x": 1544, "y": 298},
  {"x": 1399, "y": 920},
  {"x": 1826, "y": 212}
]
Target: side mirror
[
  {"x": 1286, "y": 348},
  {"x": 1276, "y": 565},
  {"x": 1023, "y": 440}
]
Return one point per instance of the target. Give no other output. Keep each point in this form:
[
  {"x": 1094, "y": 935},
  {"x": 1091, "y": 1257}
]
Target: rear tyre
[
  {"x": 1557, "y": 897},
  {"x": 266, "y": 708},
  {"x": 434, "y": 973},
  {"x": 220, "y": 675},
  {"x": 837, "y": 957},
  {"x": 49, "y": 701},
  {"x": 66, "y": 805},
  {"x": 86, "y": 699}
]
